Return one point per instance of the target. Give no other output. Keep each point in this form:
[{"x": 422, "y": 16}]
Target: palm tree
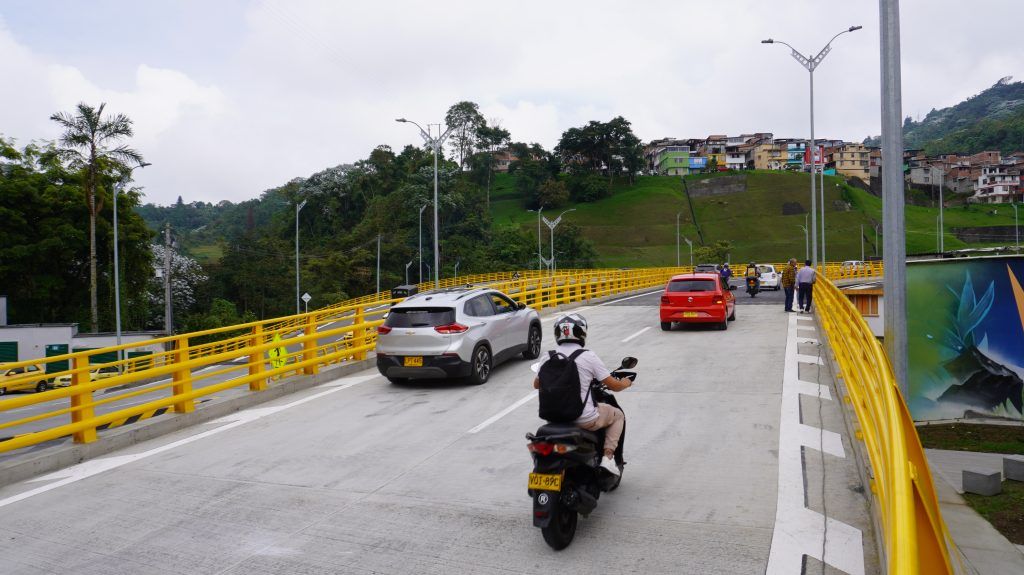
[{"x": 86, "y": 146}]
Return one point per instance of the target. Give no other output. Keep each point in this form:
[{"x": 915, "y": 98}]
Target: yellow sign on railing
[{"x": 916, "y": 539}]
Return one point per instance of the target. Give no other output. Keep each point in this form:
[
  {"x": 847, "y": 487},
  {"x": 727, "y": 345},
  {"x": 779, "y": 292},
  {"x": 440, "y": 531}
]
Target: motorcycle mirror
[{"x": 628, "y": 362}]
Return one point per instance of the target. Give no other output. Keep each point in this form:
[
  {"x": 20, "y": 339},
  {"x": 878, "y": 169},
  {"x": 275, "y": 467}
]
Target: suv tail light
[
  {"x": 383, "y": 329},
  {"x": 451, "y": 328}
]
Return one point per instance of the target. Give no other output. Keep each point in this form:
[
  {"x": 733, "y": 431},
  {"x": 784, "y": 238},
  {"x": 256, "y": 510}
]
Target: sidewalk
[{"x": 985, "y": 550}]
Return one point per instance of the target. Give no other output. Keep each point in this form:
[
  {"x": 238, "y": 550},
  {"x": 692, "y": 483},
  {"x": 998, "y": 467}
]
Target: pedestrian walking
[
  {"x": 805, "y": 286},
  {"x": 789, "y": 282}
]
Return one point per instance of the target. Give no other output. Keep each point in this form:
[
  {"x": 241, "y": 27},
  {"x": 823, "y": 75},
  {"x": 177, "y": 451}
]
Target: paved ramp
[{"x": 361, "y": 476}]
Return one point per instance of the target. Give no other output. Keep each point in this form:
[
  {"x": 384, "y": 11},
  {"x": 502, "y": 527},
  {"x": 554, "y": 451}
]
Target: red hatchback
[{"x": 697, "y": 298}]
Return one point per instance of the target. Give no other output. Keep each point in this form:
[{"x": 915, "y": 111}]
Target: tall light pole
[
  {"x": 540, "y": 257},
  {"x": 807, "y": 245},
  {"x": 117, "y": 279},
  {"x": 689, "y": 243},
  {"x": 811, "y": 63},
  {"x": 457, "y": 262},
  {"x": 435, "y": 144},
  {"x": 552, "y": 224},
  {"x": 298, "y": 208},
  {"x": 378, "y": 263},
  {"x": 407, "y": 272},
  {"x": 1016, "y": 229},
  {"x": 942, "y": 223},
  {"x": 893, "y": 195},
  {"x": 862, "y": 242}
]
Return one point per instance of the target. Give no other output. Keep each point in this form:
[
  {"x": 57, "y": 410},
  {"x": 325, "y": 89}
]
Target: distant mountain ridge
[{"x": 992, "y": 119}]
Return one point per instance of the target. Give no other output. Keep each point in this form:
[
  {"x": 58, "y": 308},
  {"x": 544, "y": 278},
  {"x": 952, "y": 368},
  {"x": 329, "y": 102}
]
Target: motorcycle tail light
[
  {"x": 383, "y": 329},
  {"x": 541, "y": 448},
  {"x": 563, "y": 448},
  {"x": 451, "y": 328}
]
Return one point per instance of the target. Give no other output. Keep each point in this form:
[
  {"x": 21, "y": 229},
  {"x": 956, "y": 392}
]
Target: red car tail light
[
  {"x": 665, "y": 300},
  {"x": 451, "y": 328},
  {"x": 383, "y": 329},
  {"x": 718, "y": 300}
]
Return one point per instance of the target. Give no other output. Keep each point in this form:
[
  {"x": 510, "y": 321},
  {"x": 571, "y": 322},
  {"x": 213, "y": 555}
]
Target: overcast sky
[{"x": 232, "y": 97}]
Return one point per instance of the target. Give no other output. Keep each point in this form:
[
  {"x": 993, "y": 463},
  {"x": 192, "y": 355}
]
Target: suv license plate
[
  {"x": 416, "y": 361},
  {"x": 545, "y": 482}
]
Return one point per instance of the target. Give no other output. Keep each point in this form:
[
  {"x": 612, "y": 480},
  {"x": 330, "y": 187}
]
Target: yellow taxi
[
  {"x": 21, "y": 378},
  {"x": 94, "y": 374}
]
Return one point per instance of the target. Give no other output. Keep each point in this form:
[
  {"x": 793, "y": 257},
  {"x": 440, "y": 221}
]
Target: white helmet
[{"x": 571, "y": 327}]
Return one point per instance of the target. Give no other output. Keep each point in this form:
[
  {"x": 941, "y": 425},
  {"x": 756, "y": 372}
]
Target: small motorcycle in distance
[
  {"x": 567, "y": 479},
  {"x": 753, "y": 285}
]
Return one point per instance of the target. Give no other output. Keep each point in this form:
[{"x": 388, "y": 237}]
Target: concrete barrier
[{"x": 982, "y": 481}]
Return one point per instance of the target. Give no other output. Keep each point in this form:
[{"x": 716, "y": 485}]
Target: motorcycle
[
  {"x": 567, "y": 477},
  {"x": 753, "y": 285}
]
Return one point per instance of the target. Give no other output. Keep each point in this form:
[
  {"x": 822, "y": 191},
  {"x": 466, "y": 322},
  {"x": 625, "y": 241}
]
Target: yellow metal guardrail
[
  {"x": 185, "y": 371},
  {"x": 915, "y": 537}
]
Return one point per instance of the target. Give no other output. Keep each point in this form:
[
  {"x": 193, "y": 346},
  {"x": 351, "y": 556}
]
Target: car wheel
[
  {"x": 723, "y": 326},
  {"x": 3, "y": 391},
  {"x": 533, "y": 343},
  {"x": 666, "y": 326},
  {"x": 481, "y": 365},
  {"x": 398, "y": 380},
  {"x": 732, "y": 316},
  {"x": 41, "y": 387}
]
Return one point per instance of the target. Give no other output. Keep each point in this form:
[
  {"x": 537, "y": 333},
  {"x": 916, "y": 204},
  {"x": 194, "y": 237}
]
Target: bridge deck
[{"x": 360, "y": 476}]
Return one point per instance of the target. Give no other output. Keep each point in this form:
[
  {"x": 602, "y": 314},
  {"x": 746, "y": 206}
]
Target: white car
[
  {"x": 770, "y": 279},
  {"x": 853, "y": 266},
  {"x": 455, "y": 332}
]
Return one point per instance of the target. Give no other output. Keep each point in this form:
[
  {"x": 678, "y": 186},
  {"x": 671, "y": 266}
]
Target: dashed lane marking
[
  {"x": 636, "y": 335},
  {"x": 502, "y": 413}
]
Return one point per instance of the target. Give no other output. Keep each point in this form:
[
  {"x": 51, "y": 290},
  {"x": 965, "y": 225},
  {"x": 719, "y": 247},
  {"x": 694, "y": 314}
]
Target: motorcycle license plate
[
  {"x": 689, "y": 314},
  {"x": 546, "y": 482},
  {"x": 416, "y": 361}
]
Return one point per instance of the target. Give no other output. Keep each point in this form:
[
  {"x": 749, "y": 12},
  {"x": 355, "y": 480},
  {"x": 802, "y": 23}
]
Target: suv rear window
[
  {"x": 420, "y": 317},
  {"x": 691, "y": 285}
]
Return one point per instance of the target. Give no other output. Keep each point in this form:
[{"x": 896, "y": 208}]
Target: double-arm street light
[
  {"x": 298, "y": 292},
  {"x": 540, "y": 257},
  {"x": 435, "y": 144},
  {"x": 552, "y": 224},
  {"x": 420, "y": 236},
  {"x": 811, "y": 63}
]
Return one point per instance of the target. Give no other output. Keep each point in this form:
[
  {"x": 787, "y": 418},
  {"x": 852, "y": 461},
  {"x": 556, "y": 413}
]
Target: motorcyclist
[
  {"x": 752, "y": 272},
  {"x": 571, "y": 335}
]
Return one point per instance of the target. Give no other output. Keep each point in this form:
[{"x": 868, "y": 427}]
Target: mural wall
[{"x": 965, "y": 336}]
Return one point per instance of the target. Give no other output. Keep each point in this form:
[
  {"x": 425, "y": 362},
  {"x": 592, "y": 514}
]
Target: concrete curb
[
  {"x": 19, "y": 467},
  {"x": 24, "y": 466}
]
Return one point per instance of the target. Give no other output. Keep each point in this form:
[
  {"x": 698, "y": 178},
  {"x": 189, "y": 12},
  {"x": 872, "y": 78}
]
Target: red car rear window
[{"x": 691, "y": 285}]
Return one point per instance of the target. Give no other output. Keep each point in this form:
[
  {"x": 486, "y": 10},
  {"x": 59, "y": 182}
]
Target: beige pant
[{"x": 613, "y": 419}]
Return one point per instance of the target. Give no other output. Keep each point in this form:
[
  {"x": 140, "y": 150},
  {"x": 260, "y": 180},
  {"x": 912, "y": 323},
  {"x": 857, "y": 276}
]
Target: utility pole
[
  {"x": 893, "y": 221},
  {"x": 168, "y": 325}
]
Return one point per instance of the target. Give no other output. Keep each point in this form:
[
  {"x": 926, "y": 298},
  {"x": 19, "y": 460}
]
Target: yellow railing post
[
  {"x": 182, "y": 378},
  {"x": 256, "y": 364},
  {"x": 309, "y": 347},
  {"x": 359, "y": 333},
  {"x": 81, "y": 377}
]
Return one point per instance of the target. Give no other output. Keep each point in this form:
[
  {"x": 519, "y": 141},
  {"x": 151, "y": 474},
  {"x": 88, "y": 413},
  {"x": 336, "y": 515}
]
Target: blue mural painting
[{"x": 965, "y": 336}]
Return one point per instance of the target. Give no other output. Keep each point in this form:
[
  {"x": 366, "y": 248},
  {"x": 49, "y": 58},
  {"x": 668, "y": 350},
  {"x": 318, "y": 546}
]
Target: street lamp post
[
  {"x": 862, "y": 242},
  {"x": 810, "y": 63},
  {"x": 117, "y": 279},
  {"x": 552, "y": 224},
  {"x": 807, "y": 245},
  {"x": 540, "y": 257},
  {"x": 435, "y": 144},
  {"x": 298, "y": 208},
  {"x": 1016, "y": 229},
  {"x": 689, "y": 243},
  {"x": 407, "y": 272},
  {"x": 942, "y": 223},
  {"x": 457, "y": 262}
]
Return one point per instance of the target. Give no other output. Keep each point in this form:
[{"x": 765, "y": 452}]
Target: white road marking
[
  {"x": 503, "y": 413},
  {"x": 635, "y": 335},
  {"x": 798, "y": 530},
  {"x": 93, "y": 467}
]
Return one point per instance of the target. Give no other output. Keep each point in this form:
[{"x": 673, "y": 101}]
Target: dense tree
[
  {"x": 90, "y": 144},
  {"x": 607, "y": 148},
  {"x": 464, "y": 120},
  {"x": 490, "y": 138}
]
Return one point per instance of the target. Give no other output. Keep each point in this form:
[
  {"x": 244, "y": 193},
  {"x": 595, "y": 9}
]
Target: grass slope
[{"x": 636, "y": 226}]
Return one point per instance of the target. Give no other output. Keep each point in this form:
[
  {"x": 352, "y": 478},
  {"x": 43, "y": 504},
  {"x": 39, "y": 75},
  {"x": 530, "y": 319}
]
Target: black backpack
[{"x": 559, "y": 395}]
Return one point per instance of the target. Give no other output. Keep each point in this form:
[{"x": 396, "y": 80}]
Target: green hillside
[{"x": 636, "y": 225}]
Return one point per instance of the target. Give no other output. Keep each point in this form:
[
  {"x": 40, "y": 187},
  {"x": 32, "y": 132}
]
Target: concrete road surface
[{"x": 361, "y": 476}]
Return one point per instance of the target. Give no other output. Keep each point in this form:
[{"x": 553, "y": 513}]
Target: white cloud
[{"x": 308, "y": 84}]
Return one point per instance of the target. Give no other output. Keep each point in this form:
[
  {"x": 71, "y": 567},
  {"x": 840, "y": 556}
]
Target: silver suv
[{"x": 458, "y": 332}]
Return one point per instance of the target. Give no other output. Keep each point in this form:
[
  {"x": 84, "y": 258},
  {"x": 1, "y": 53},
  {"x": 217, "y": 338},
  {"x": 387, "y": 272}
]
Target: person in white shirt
[
  {"x": 805, "y": 278},
  {"x": 571, "y": 335}
]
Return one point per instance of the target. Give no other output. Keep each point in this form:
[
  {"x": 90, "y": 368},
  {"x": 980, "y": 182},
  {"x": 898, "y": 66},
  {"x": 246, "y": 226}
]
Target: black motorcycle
[
  {"x": 567, "y": 477},
  {"x": 753, "y": 285}
]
